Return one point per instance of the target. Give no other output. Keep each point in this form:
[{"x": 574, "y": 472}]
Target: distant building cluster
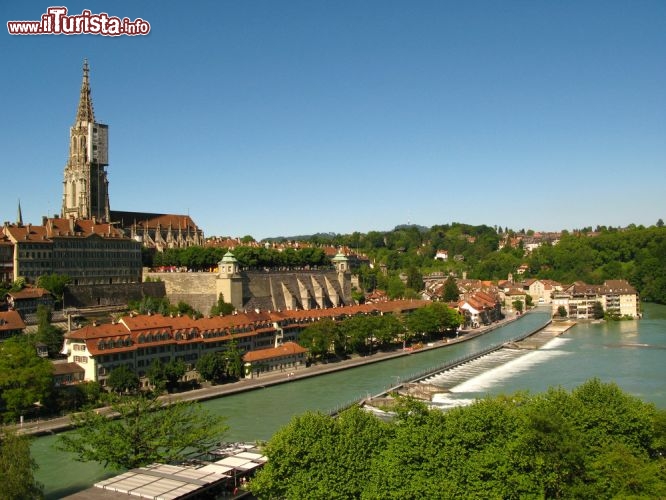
[
  {"x": 617, "y": 297},
  {"x": 480, "y": 298},
  {"x": 529, "y": 242}
]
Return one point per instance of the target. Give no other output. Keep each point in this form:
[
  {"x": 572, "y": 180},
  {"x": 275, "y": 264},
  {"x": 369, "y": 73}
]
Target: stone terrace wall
[
  {"x": 196, "y": 289},
  {"x": 263, "y": 290},
  {"x": 110, "y": 295}
]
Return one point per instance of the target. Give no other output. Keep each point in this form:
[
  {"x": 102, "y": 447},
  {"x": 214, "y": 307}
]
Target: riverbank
[{"x": 51, "y": 426}]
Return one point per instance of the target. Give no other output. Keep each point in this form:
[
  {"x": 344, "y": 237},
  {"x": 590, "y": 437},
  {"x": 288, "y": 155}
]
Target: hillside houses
[{"x": 480, "y": 308}]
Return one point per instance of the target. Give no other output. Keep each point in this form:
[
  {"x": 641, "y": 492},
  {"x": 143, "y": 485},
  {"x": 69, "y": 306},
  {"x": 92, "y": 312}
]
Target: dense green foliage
[
  {"x": 220, "y": 366},
  {"x": 17, "y": 481},
  {"x": 364, "y": 334},
  {"x": 146, "y": 432},
  {"x": 54, "y": 283},
  {"x": 320, "y": 457},
  {"x": 122, "y": 379},
  {"x": 221, "y": 307},
  {"x": 149, "y": 305},
  {"x": 635, "y": 253},
  {"x": 165, "y": 376},
  {"x": 592, "y": 442},
  {"x": 207, "y": 258},
  {"x": 25, "y": 378},
  {"x": 48, "y": 334}
]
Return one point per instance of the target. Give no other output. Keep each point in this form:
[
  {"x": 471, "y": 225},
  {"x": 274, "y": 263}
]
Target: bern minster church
[
  {"x": 86, "y": 187},
  {"x": 89, "y": 242}
]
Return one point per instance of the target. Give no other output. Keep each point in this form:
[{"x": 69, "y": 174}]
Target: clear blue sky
[{"x": 293, "y": 117}]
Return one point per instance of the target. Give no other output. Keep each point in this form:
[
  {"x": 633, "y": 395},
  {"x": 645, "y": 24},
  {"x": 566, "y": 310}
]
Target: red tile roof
[
  {"x": 94, "y": 332},
  {"x": 286, "y": 349},
  {"x": 137, "y": 328},
  {"x": 29, "y": 293},
  {"x": 11, "y": 320},
  {"x": 59, "y": 227},
  {"x": 66, "y": 368}
]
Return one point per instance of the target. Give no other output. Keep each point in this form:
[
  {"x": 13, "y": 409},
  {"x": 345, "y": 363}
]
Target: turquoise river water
[{"x": 631, "y": 353}]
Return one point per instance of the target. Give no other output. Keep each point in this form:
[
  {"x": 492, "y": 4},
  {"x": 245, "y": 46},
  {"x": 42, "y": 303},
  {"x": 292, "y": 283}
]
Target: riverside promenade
[{"x": 50, "y": 426}]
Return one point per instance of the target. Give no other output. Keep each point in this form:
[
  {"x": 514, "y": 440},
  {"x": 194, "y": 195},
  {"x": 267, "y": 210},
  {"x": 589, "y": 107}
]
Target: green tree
[
  {"x": 529, "y": 301},
  {"x": 122, "y": 379},
  {"x": 414, "y": 279},
  {"x": 446, "y": 317},
  {"x": 320, "y": 337},
  {"x": 451, "y": 290},
  {"x": 233, "y": 361},
  {"x": 422, "y": 322},
  {"x": 165, "y": 376},
  {"x": 54, "y": 283},
  {"x": 355, "y": 333},
  {"x": 211, "y": 366},
  {"x": 17, "y": 468},
  {"x": 25, "y": 378},
  {"x": 562, "y": 312},
  {"x": 221, "y": 307},
  {"x": 395, "y": 288},
  {"x": 90, "y": 393},
  {"x": 518, "y": 305},
  {"x": 592, "y": 442},
  {"x": 50, "y": 335},
  {"x": 148, "y": 305},
  {"x": 18, "y": 284},
  {"x": 320, "y": 457},
  {"x": 185, "y": 308},
  {"x": 598, "y": 310},
  {"x": 146, "y": 431}
]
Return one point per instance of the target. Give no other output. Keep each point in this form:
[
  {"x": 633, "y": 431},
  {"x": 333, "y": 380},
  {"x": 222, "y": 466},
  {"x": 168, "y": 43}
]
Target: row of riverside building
[{"x": 268, "y": 340}]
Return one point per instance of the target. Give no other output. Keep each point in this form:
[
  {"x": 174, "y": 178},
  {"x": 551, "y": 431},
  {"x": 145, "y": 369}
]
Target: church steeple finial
[
  {"x": 85, "y": 111},
  {"x": 19, "y": 215}
]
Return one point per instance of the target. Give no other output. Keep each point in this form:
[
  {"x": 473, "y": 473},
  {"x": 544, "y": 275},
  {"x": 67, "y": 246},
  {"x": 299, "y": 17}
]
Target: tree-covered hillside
[{"x": 635, "y": 253}]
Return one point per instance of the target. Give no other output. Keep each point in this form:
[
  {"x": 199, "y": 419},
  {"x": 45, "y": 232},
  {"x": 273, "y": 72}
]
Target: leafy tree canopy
[
  {"x": 54, "y": 283},
  {"x": 122, "y": 379},
  {"x": 48, "y": 334},
  {"x": 222, "y": 307},
  {"x": 25, "y": 378},
  {"x": 592, "y": 442},
  {"x": 146, "y": 432},
  {"x": 17, "y": 481}
]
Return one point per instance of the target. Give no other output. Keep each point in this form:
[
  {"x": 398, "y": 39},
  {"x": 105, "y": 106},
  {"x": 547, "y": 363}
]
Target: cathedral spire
[
  {"x": 85, "y": 111},
  {"x": 19, "y": 215}
]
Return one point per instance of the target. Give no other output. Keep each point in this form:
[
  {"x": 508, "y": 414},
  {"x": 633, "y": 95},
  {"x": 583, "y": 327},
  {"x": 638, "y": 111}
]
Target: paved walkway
[{"x": 49, "y": 426}]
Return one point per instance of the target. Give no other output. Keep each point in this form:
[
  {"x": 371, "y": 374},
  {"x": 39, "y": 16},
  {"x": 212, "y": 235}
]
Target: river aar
[{"x": 630, "y": 353}]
